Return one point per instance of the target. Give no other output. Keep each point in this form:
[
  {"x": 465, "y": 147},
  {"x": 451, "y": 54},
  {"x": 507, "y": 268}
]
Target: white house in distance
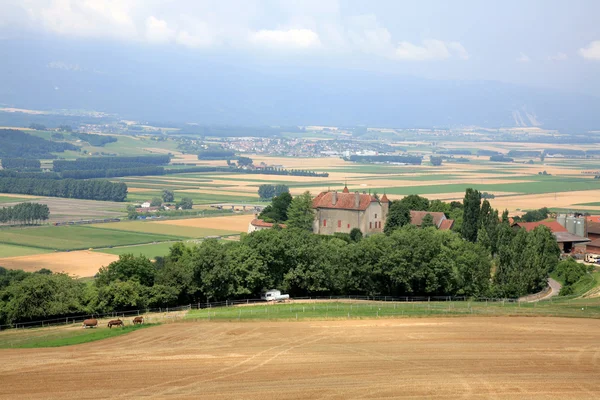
[
  {"x": 146, "y": 204},
  {"x": 258, "y": 225}
]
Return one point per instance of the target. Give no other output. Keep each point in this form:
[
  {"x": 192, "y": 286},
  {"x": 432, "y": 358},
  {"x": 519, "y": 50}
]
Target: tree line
[
  {"x": 24, "y": 213},
  {"x": 21, "y": 164},
  {"x": 267, "y": 191},
  {"x": 215, "y": 154},
  {"x": 68, "y": 188},
  {"x": 403, "y": 159},
  {"x": 113, "y": 173}
]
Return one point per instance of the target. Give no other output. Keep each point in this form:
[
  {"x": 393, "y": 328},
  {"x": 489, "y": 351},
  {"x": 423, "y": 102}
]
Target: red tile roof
[
  {"x": 345, "y": 189},
  {"x": 595, "y": 243},
  {"x": 416, "y": 217},
  {"x": 344, "y": 201},
  {"x": 593, "y": 218},
  {"x": 553, "y": 225},
  {"x": 263, "y": 224},
  {"x": 446, "y": 225},
  {"x": 384, "y": 199}
]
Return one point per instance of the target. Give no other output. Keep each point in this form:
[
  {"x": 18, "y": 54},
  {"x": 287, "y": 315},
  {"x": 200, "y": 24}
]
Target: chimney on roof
[
  {"x": 334, "y": 197},
  {"x": 356, "y": 199}
]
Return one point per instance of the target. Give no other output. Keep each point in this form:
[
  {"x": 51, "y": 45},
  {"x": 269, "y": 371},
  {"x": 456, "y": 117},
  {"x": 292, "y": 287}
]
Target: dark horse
[
  {"x": 115, "y": 322},
  {"x": 138, "y": 320},
  {"x": 90, "y": 323}
]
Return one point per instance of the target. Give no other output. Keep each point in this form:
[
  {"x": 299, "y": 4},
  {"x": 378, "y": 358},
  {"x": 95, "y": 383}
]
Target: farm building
[
  {"x": 593, "y": 247},
  {"x": 593, "y": 230},
  {"x": 564, "y": 238},
  {"x": 258, "y": 225},
  {"x": 439, "y": 219},
  {"x": 344, "y": 211}
]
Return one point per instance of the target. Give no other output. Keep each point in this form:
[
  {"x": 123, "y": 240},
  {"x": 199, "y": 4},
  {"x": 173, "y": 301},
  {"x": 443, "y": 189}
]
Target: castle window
[
  {"x": 370, "y": 225},
  {"x": 339, "y": 223},
  {"x": 375, "y": 216},
  {"x": 324, "y": 222},
  {"x": 348, "y": 226}
]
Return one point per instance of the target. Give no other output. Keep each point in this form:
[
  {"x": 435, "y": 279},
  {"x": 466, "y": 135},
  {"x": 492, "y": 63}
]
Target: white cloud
[
  {"x": 89, "y": 18},
  {"x": 431, "y": 49},
  {"x": 64, "y": 66},
  {"x": 558, "y": 57},
  {"x": 592, "y": 51},
  {"x": 158, "y": 31},
  {"x": 523, "y": 58},
  {"x": 291, "y": 38}
]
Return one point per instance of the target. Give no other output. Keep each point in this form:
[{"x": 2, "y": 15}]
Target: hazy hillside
[{"x": 204, "y": 91}]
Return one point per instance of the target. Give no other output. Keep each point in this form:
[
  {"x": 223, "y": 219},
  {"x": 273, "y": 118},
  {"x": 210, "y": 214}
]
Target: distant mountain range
[{"x": 181, "y": 90}]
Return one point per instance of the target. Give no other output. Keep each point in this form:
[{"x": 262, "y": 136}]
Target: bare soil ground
[
  {"x": 233, "y": 223},
  {"x": 76, "y": 263},
  {"x": 433, "y": 358}
]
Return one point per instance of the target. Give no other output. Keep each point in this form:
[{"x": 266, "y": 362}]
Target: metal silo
[
  {"x": 580, "y": 227},
  {"x": 562, "y": 219},
  {"x": 571, "y": 224}
]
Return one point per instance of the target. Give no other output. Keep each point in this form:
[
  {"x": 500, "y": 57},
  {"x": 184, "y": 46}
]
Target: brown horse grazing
[
  {"x": 115, "y": 322},
  {"x": 90, "y": 323},
  {"x": 138, "y": 320}
]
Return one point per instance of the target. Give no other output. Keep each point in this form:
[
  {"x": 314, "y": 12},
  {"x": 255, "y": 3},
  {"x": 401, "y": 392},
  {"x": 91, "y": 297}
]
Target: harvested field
[
  {"x": 550, "y": 200},
  {"x": 237, "y": 223},
  {"x": 434, "y": 358},
  {"x": 76, "y": 263}
]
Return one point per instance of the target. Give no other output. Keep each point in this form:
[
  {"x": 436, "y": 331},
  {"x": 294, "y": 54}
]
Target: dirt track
[{"x": 438, "y": 358}]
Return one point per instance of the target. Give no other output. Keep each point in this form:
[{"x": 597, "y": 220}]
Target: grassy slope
[
  {"x": 57, "y": 337},
  {"x": 9, "y": 250},
  {"x": 344, "y": 310},
  {"x": 76, "y": 237}
]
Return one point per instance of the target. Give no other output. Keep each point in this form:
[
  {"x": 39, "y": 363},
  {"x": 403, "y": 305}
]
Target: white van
[{"x": 592, "y": 258}]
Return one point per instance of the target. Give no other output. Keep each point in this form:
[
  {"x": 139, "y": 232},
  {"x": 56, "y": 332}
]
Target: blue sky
[{"x": 547, "y": 43}]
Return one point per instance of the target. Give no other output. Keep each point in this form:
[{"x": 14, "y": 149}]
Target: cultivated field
[
  {"x": 77, "y": 263},
  {"x": 191, "y": 228},
  {"x": 517, "y": 186},
  {"x": 64, "y": 210},
  {"x": 237, "y": 224},
  {"x": 410, "y": 358}
]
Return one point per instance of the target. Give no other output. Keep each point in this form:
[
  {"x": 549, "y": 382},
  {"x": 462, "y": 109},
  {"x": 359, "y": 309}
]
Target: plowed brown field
[{"x": 433, "y": 358}]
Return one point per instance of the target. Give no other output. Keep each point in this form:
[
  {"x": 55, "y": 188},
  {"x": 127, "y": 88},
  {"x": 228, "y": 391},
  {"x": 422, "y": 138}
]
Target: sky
[{"x": 546, "y": 44}]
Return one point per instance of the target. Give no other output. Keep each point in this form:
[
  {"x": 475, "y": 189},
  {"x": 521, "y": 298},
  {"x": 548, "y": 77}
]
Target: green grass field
[
  {"x": 8, "y": 199},
  {"x": 58, "y": 337},
  {"x": 163, "y": 229},
  {"x": 150, "y": 251},
  {"x": 580, "y": 308},
  {"x": 9, "y": 250},
  {"x": 76, "y": 237}
]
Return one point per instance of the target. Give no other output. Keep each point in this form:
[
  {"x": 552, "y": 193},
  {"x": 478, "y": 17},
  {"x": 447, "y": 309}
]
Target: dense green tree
[
  {"x": 156, "y": 202},
  {"x": 244, "y": 161},
  {"x": 398, "y": 216},
  {"x": 186, "y": 203},
  {"x": 300, "y": 212},
  {"x": 168, "y": 196},
  {"x": 435, "y": 161},
  {"x": 356, "y": 235},
  {"x": 277, "y": 211},
  {"x": 439, "y": 206},
  {"x": 415, "y": 202},
  {"x": 471, "y": 214},
  {"x": 266, "y": 191},
  {"x": 505, "y": 219},
  {"x": 127, "y": 267},
  {"x": 427, "y": 221}
]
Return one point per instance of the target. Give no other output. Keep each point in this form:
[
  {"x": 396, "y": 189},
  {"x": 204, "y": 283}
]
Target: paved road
[{"x": 554, "y": 291}]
